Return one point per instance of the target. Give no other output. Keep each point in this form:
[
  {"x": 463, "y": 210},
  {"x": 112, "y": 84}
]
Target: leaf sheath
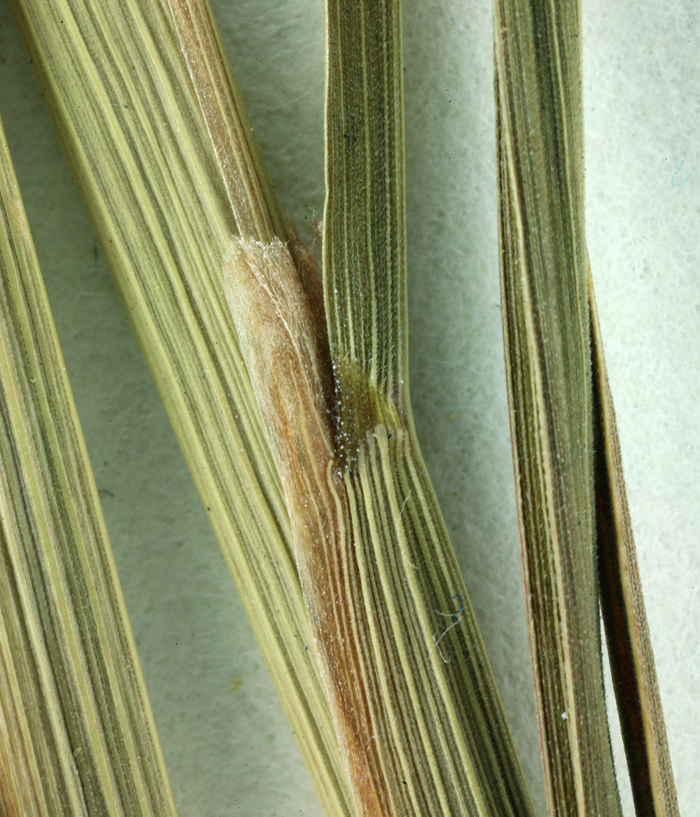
[{"x": 432, "y": 726}]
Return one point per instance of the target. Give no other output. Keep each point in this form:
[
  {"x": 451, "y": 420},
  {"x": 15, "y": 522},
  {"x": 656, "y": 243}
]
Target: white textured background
[{"x": 227, "y": 745}]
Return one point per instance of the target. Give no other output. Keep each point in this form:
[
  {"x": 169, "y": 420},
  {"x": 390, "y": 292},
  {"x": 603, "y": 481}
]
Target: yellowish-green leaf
[{"x": 77, "y": 735}]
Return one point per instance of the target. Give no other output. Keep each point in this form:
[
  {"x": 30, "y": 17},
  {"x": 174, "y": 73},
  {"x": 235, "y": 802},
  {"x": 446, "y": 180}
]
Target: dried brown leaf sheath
[
  {"x": 288, "y": 365},
  {"x": 418, "y": 732},
  {"x": 412, "y": 720}
]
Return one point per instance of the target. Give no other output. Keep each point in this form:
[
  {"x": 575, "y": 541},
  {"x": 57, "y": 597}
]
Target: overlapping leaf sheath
[
  {"x": 415, "y": 706},
  {"x": 121, "y": 91},
  {"x": 76, "y": 730},
  {"x": 546, "y": 328}
]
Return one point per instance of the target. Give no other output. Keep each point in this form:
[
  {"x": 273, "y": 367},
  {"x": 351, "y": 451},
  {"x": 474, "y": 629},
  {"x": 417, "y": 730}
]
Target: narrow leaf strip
[
  {"x": 417, "y": 712},
  {"x": 151, "y": 172},
  {"x": 546, "y": 332},
  {"x": 622, "y": 603},
  {"x": 77, "y": 735}
]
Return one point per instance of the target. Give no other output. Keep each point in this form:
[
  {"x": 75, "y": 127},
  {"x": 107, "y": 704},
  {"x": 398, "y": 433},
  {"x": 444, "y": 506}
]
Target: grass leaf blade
[
  {"x": 77, "y": 735},
  {"x": 364, "y": 247},
  {"x": 546, "y": 330},
  {"x": 629, "y": 644}
]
